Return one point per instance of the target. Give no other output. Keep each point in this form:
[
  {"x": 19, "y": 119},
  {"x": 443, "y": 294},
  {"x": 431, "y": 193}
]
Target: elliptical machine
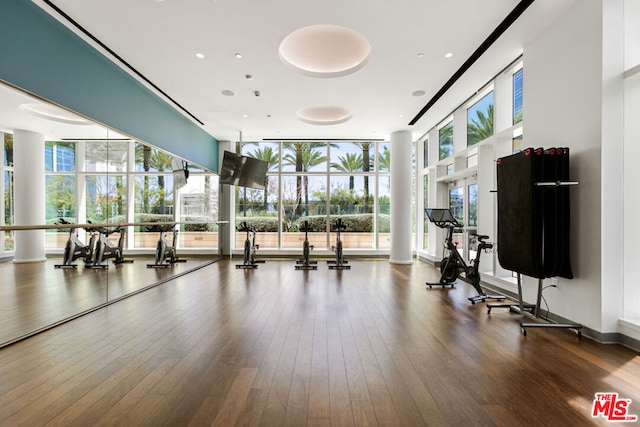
[
  {"x": 305, "y": 263},
  {"x": 166, "y": 254},
  {"x": 104, "y": 249},
  {"x": 250, "y": 248},
  {"x": 75, "y": 249},
  {"x": 452, "y": 265},
  {"x": 339, "y": 263}
]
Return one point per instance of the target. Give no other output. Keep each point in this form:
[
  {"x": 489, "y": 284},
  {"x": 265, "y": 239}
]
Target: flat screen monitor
[
  {"x": 243, "y": 171},
  {"x": 180, "y": 172},
  {"x": 442, "y": 217}
]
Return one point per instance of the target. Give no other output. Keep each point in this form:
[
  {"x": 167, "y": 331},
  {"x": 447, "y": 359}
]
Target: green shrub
[
  {"x": 356, "y": 223},
  {"x": 199, "y": 223},
  {"x": 259, "y": 223}
]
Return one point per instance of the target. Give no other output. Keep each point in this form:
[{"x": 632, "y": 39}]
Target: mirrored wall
[{"x": 128, "y": 195}]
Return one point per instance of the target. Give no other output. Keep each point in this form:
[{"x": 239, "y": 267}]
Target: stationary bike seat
[{"x": 481, "y": 237}]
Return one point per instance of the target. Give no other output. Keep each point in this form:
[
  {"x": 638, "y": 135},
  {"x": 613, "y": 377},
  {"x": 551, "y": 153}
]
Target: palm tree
[
  {"x": 143, "y": 155},
  {"x": 161, "y": 161},
  {"x": 350, "y": 162},
  {"x": 304, "y": 156},
  {"x": 446, "y": 141},
  {"x": 8, "y": 149},
  {"x": 271, "y": 156},
  {"x": 481, "y": 127},
  {"x": 366, "y": 165},
  {"x": 384, "y": 160}
]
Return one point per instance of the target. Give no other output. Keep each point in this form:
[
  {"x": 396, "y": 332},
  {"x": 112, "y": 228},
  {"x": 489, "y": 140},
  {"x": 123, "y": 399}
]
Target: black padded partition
[
  {"x": 519, "y": 239},
  {"x": 533, "y": 213},
  {"x": 562, "y": 256}
]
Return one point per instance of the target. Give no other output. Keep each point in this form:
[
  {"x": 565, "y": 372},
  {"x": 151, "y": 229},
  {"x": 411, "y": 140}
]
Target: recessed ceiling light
[
  {"x": 448, "y": 55},
  {"x": 238, "y": 55},
  {"x": 228, "y": 92},
  {"x": 420, "y": 55},
  {"x": 248, "y": 76},
  {"x": 245, "y": 115},
  {"x": 199, "y": 55},
  {"x": 329, "y": 115},
  {"x": 418, "y": 93},
  {"x": 325, "y": 50}
]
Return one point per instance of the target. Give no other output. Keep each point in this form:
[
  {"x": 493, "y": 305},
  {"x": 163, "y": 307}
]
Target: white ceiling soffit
[{"x": 404, "y": 68}]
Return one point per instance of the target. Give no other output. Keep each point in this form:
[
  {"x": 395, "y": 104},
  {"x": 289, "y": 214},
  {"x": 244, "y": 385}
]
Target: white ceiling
[{"x": 160, "y": 38}]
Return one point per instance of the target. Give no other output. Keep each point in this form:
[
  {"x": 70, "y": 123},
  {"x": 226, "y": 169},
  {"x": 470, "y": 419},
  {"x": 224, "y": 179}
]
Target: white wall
[
  {"x": 613, "y": 228},
  {"x": 562, "y": 107},
  {"x": 626, "y": 154}
]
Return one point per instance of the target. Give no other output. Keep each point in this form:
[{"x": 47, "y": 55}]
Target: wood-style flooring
[
  {"x": 276, "y": 346},
  {"x": 35, "y": 295}
]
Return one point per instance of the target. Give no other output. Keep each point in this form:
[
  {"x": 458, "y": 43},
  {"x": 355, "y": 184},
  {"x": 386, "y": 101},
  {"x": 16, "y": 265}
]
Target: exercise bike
[
  {"x": 75, "y": 249},
  {"x": 104, "y": 249},
  {"x": 453, "y": 265},
  {"x": 339, "y": 263},
  {"x": 305, "y": 263},
  {"x": 166, "y": 254},
  {"x": 250, "y": 248}
]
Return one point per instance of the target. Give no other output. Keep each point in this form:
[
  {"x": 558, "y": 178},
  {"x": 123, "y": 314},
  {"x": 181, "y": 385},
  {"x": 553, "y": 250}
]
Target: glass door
[
  {"x": 472, "y": 219},
  {"x": 457, "y": 208},
  {"x": 463, "y": 203}
]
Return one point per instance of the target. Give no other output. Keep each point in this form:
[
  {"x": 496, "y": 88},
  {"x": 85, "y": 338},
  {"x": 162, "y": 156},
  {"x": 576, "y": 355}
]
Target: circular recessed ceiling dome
[
  {"x": 51, "y": 112},
  {"x": 325, "y": 50},
  {"x": 323, "y": 115}
]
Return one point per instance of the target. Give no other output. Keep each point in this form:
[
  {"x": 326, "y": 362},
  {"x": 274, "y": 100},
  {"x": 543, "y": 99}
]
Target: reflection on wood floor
[
  {"x": 275, "y": 346},
  {"x": 34, "y": 295}
]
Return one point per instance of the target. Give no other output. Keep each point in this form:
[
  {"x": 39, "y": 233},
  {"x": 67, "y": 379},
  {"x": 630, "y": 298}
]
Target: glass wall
[
  {"x": 310, "y": 184},
  {"x": 8, "y": 195},
  {"x": 425, "y": 198},
  {"x": 117, "y": 181}
]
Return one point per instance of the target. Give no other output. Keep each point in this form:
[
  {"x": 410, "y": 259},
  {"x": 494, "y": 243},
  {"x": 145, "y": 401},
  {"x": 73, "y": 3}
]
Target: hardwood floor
[
  {"x": 275, "y": 346},
  {"x": 35, "y": 295}
]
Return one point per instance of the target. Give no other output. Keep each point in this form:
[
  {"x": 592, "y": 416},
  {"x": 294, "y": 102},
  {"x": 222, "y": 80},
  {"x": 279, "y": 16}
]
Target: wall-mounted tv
[
  {"x": 243, "y": 171},
  {"x": 180, "y": 172}
]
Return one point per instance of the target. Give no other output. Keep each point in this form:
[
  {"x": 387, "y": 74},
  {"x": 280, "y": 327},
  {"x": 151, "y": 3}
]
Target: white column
[
  {"x": 28, "y": 182},
  {"x": 226, "y": 233},
  {"x": 401, "y": 176}
]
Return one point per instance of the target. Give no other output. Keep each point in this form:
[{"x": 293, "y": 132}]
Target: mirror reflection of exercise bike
[
  {"x": 305, "y": 263},
  {"x": 105, "y": 250},
  {"x": 453, "y": 265},
  {"x": 339, "y": 263},
  {"x": 250, "y": 248},
  {"x": 166, "y": 254},
  {"x": 75, "y": 249}
]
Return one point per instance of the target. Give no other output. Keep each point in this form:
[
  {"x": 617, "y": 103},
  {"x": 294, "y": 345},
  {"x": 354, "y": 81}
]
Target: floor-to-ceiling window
[
  {"x": 8, "y": 196},
  {"x": 60, "y": 188},
  {"x": 460, "y": 173},
  {"x": 118, "y": 181},
  {"x": 310, "y": 184}
]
